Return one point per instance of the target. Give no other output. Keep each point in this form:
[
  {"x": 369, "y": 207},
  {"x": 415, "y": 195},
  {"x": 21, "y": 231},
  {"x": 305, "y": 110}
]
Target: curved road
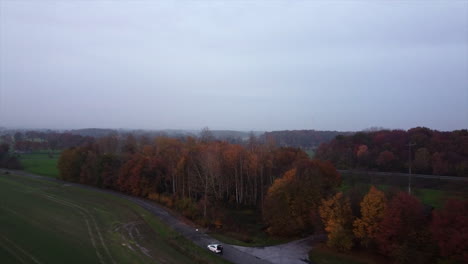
[{"x": 295, "y": 252}]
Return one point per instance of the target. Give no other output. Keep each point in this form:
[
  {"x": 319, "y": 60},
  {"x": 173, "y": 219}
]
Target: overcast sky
[{"x": 243, "y": 65}]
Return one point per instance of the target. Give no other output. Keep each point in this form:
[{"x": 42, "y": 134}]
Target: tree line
[
  {"x": 197, "y": 172},
  {"x": 306, "y": 139},
  {"x": 42, "y": 140},
  {"x": 432, "y": 152}
]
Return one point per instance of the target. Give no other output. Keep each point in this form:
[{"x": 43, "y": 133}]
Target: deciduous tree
[
  {"x": 402, "y": 233},
  {"x": 449, "y": 229},
  {"x": 385, "y": 159},
  {"x": 70, "y": 162},
  {"x": 422, "y": 161},
  {"x": 337, "y": 219},
  {"x": 373, "y": 207},
  {"x": 292, "y": 199}
]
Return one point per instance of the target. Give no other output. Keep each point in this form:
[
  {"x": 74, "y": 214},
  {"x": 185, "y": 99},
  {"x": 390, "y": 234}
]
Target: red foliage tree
[
  {"x": 388, "y": 151},
  {"x": 402, "y": 230},
  {"x": 449, "y": 229},
  {"x": 385, "y": 159},
  {"x": 439, "y": 164}
]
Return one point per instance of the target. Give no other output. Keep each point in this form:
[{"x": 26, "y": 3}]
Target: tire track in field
[
  {"x": 12, "y": 252},
  {"x": 20, "y": 249},
  {"x": 90, "y": 232},
  {"x": 86, "y": 214}
]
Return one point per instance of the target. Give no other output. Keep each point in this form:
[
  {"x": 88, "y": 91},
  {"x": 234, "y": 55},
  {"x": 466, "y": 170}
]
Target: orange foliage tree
[
  {"x": 337, "y": 219},
  {"x": 277, "y": 211},
  {"x": 291, "y": 199},
  {"x": 372, "y": 210}
]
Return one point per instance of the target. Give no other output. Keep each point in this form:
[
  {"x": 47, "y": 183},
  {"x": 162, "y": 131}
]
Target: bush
[
  {"x": 340, "y": 238},
  {"x": 187, "y": 207},
  {"x": 166, "y": 200},
  {"x": 153, "y": 196}
]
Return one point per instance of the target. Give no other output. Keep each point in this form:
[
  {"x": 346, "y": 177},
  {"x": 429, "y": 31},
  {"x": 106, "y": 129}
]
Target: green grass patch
[
  {"x": 310, "y": 153},
  {"x": 431, "y": 197},
  {"x": 41, "y": 163},
  {"x": 58, "y": 223},
  {"x": 434, "y": 198}
]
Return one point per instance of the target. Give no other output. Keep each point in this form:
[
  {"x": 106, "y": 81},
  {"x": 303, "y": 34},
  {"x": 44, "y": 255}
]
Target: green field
[
  {"x": 41, "y": 163},
  {"x": 431, "y": 197},
  {"x": 48, "y": 222}
]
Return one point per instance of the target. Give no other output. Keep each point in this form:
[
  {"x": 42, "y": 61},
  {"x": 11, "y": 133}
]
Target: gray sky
[{"x": 243, "y": 65}]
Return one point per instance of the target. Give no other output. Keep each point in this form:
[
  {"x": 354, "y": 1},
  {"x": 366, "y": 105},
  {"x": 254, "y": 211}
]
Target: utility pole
[{"x": 409, "y": 166}]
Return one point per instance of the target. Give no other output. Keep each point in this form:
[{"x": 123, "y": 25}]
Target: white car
[{"x": 216, "y": 248}]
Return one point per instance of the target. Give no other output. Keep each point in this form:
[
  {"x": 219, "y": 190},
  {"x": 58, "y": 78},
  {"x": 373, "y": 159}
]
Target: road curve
[{"x": 293, "y": 252}]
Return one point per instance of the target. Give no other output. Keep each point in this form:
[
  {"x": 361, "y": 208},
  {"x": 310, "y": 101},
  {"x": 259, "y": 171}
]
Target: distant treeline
[
  {"x": 42, "y": 140},
  {"x": 432, "y": 152},
  {"x": 308, "y": 139},
  {"x": 30, "y": 140}
]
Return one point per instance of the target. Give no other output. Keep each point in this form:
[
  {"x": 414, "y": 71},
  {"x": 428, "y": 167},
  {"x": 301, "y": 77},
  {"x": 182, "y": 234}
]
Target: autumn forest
[{"x": 293, "y": 195}]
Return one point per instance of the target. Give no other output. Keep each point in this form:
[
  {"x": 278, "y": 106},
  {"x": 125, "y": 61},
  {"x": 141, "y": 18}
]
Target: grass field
[
  {"x": 41, "y": 163},
  {"x": 48, "y": 222},
  {"x": 432, "y": 197}
]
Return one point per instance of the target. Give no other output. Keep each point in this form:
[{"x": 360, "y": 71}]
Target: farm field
[
  {"x": 41, "y": 163},
  {"x": 428, "y": 191},
  {"x": 49, "y": 222}
]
